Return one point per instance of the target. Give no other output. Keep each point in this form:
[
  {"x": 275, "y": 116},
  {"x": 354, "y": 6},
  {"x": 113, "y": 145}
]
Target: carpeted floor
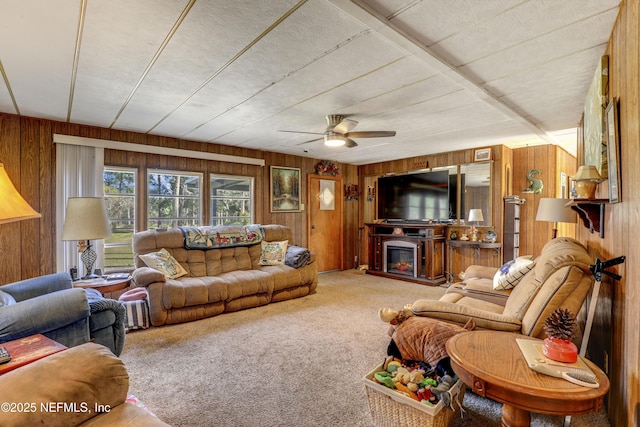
[{"x": 292, "y": 363}]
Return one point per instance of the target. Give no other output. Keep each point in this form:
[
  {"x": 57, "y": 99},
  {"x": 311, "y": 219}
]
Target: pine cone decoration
[{"x": 561, "y": 324}]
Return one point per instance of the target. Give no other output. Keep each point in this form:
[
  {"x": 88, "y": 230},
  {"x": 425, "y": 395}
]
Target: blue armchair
[{"x": 51, "y": 306}]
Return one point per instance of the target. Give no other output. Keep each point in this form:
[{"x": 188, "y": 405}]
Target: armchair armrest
[
  {"x": 43, "y": 314},
  {"x": 460, "y": 314},
  {"x": 144, "y": 276},
  {"x": 479, "y": 272},
  {"x": 37, "y": 286}
]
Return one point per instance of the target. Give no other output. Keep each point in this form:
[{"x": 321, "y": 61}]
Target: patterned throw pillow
[
  {"x": 273, "y": 253},
  {"x": 164, "y": 263},
  {"x": 510, "y": 274}
]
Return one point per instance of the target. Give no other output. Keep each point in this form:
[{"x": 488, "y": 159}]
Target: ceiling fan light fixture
[{"x": 334, "y": 140}]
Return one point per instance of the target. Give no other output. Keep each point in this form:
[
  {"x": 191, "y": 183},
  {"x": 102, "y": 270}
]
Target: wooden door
[{"x": 325, "y": 222}]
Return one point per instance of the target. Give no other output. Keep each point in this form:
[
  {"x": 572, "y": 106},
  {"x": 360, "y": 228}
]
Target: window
[
  {"x": 174, "y": 199},
  {"x": 119, "y": 197},
  {"x": 231, "y": 200}
]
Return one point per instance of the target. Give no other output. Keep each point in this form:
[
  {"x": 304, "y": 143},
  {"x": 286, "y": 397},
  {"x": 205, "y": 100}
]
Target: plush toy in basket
[{"x": 412, "y": 394}]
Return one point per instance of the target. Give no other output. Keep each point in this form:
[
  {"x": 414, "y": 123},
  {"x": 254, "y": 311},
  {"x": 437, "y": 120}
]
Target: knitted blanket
[
  {"x": 224, "y": 236},
  {"x": 296, "y": 256}
]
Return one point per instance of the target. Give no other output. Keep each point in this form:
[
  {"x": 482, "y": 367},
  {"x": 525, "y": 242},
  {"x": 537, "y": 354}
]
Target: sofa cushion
[
  {"x": 273, "y": 253},
  {"x": 6, "y": 299},
  {"x": 165, "y": 263},
  {"x": 510, "y": 274}
]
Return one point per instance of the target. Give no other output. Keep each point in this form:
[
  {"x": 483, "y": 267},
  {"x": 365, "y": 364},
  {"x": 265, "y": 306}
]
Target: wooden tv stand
[{"x": 426, "y": 240}]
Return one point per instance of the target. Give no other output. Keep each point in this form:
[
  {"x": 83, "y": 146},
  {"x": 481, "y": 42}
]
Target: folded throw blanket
[
  {"x": 296, "y": 256},
  {"x": 223, "y": 236}
]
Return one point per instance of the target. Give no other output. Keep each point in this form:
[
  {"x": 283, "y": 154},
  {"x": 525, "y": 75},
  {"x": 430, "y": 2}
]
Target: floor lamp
[
  {"x": 12, "y": 206},
  {"x": 555, "y": 210},
  {"x": 86, "y": 220}
]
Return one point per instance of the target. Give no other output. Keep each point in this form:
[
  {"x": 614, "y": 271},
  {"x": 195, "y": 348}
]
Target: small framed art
[
  {"x": 285, "y": 189},
  {"x": 482, "y": 155}
]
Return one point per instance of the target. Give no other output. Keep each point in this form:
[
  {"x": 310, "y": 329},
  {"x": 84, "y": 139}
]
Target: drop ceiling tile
[
  {"x": 119, "y": 41},
  {"x": 39, "y": 66}
]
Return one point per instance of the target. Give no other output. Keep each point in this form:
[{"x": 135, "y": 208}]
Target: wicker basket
[{"x": 392, "y": 409}]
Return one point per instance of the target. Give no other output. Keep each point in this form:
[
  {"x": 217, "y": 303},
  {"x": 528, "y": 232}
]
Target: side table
[
  {"x": 492, "y": 364},
  {"x": 29, "y": 349},
  {"x": 103, "y": 286}
]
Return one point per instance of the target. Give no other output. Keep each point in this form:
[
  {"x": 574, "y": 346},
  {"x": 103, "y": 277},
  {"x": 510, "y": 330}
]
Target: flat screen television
[{"x": 422, "y": 196}]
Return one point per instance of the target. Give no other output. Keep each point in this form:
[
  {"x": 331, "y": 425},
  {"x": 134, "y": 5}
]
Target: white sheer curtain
[{"x": 78, "y": 174}]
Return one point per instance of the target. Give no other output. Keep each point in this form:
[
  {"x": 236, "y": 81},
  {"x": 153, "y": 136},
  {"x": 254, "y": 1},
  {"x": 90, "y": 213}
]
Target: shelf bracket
[{"x": 592, "y": 215}]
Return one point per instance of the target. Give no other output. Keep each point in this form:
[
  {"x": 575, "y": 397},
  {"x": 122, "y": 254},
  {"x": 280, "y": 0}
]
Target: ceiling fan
[{"x": 339, "y": 133}]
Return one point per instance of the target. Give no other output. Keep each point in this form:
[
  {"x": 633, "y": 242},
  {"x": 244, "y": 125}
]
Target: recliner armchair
[
  {"x": 51, "y": 306},
  {"x": 560, "y": 278}
]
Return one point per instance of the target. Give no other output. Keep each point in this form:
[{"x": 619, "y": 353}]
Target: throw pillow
[
  {"x": 510, "y": 274},
  {"x": 6, "y": 299},
  {"x": 164, "y": 263},
  {"x": 273, "y": 253}
]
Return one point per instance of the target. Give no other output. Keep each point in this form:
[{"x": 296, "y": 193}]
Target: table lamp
[
  {"x": 555, "y": 210},
  {"x": 12, "y": 206},
  {"x": 475, "y": 215},
  {"x": 587, "y": 179},
  {"x": 86, "y": 220}
]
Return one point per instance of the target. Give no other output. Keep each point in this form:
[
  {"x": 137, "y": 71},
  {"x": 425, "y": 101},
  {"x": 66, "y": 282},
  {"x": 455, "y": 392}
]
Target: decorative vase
[
  {"x": 490, "y": 236},
  {"x": 560, "y": 350},
  {"x": 586, "y": 189}
]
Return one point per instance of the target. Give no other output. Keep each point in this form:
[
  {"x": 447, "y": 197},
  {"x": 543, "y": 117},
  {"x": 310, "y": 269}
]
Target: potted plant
[{"x": 560, "y": 327}]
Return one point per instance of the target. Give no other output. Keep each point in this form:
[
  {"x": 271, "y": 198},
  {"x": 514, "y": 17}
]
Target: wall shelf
[{"x": 591, "y": 212}]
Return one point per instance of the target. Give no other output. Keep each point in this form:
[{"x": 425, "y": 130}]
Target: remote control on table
[{"x": 4, "y": 355}]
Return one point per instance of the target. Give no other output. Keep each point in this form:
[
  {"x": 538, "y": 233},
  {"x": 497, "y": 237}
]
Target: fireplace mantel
[{"x": 429, "y": 243}]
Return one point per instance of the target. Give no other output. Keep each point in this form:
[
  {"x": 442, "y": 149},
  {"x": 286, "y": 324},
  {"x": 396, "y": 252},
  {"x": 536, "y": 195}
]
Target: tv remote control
[{"x": 4, "y": 355}]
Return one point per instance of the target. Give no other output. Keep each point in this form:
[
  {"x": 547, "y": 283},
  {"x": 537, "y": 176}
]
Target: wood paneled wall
[
  {"x": 551, "y": 161},
  {"x": 620, "y": 300},
  {"x": 27, "y": 248}
]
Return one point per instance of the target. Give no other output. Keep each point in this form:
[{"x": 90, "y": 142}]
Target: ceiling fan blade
[
  {"x": 350, "y": 143},
  {"x": 297, "y": 131},
  {"x": 344, "y": 126},
  {"x": 311, "y": 140},
  {"x": 371, "y": 134}
]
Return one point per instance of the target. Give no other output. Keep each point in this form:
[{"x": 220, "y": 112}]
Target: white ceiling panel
[
  {"x": 445, "y": 75},
  {"x": 37, "y": 51}
]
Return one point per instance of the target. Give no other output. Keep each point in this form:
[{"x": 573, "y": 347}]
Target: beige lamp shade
[
  {"x": 476, "y": 215},
  {"x": 12, "y": 206},
  {"x": 587, "y": 172},
  {"x": 555, "y": 210},
  {"x": 85, "y": 219}
]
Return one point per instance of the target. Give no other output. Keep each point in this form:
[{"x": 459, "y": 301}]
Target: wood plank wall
[
  {"x": 619, "y": 300},
  {"x": 27, "y": 248},
  {"x": 550, "y": 160}
]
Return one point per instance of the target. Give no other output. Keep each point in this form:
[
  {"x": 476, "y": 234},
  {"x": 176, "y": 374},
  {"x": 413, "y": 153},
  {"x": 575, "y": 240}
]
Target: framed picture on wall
[
  {"x": 285, "y": 189},
  {"x": 482, "y": 155},
  {"x": 613, "y": 150}
]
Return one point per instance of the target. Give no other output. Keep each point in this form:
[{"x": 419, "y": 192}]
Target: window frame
[
  {"x": 136, "y": 213},
  {"x": 210, "y": 197},
  {"x": 148, "y": 195}
]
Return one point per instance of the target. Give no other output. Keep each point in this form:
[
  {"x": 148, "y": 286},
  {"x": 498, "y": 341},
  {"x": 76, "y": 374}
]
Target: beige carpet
[{"x": 292, "y": 363}]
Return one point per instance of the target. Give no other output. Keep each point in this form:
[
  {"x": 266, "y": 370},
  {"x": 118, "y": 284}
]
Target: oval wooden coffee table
[{"x": 492, "y": 364}]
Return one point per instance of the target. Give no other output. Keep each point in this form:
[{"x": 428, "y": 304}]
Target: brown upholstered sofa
[
  {"x": 86, "y": 385},
  {"x": 218, "y": 280},
  {"x": 560, "y": 278}
]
